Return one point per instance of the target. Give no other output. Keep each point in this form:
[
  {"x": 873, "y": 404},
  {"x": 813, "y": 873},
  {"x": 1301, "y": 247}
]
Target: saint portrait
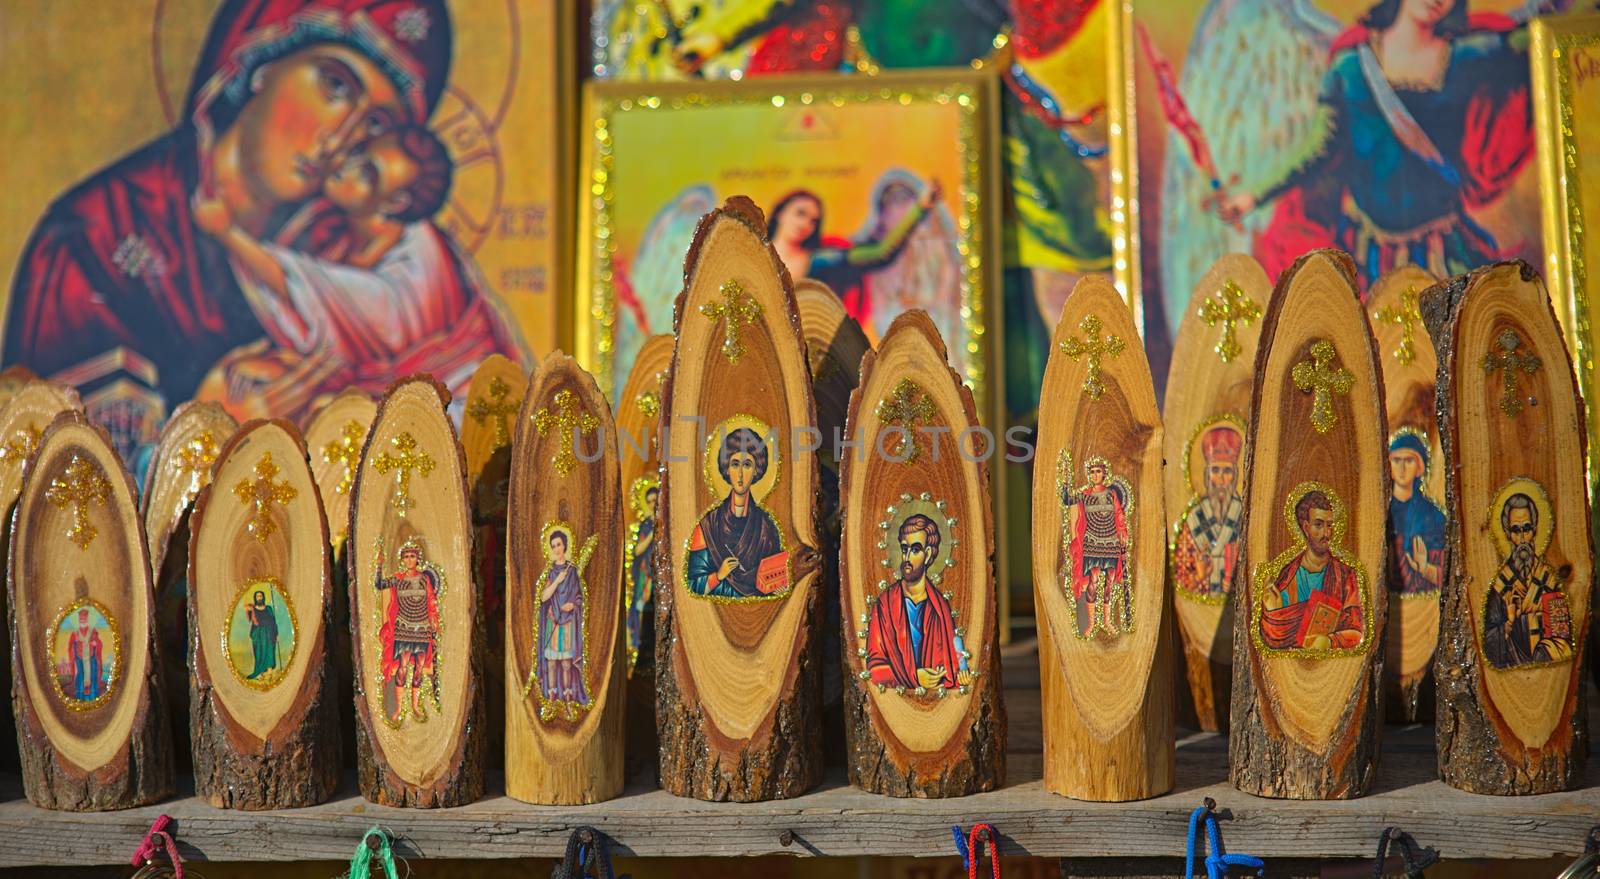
[
  {"x": 1312, "y": 598},
  {"x": 1416, "y": 524},
  {"x": 85, "y": 654},
  {"x": 260, "y": 639},
  {"x": 279, "y": 242},
  {"x": 736, "y": 550},
  {"x": 640, "y": 552},
  {"x": 561, "y": 655},
  {"x": 1527, "y": 619},
  {"x": 408, "y": 634},
  {"x": 1099, "y": 548},
  {"x": 912, "y": 640},
  {"x": 1205, "y": 546}
]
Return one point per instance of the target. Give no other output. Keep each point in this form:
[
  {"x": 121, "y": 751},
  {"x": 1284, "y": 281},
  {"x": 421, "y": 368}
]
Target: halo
[
  {"x": 714, "y": 481},
  {"x": 248, "y": 589},
  {"x": 889, "y": 536},
  {"x": 641, "y": 487},
  {"x": 1542, "y": 532},
  {"x": 115, "y": 649},
  {"x": 1340, "y": 518},
  {"x": 550, "y": 529},
  {"x": 1191, "y": 448},
  {"x": 1427, "y": 459},
  {"x": 1263, "y": 574}
]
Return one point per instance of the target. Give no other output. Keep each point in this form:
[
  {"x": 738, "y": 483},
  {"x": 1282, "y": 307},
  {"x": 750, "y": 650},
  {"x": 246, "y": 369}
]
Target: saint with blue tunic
[
  {"x": 1416, "y": 525},
  {"x": 732, "y": 540}
]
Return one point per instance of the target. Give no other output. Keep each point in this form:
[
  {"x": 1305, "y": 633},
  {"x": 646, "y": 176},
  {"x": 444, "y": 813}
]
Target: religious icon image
[
  {"x": 1094, "y": 529},
  {"x": 1205, "y": 546},
  {"x": 1311, "y": 600},
  {"x": 408, "y": 634},
  {"x": 85, "y": 654},
  {"x": 736, "y": 552},
  {"x": 912, "y": 640},
  {"x": 640, "y": 557},
  {"x": 1416, "y": 524},
  {"x": 1527, "y": 620},
  {"x": 560, "y": 646},
  {"x": 260, "y": 640}
]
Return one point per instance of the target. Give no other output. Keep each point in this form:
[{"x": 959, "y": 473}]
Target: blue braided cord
[
  {"x": 1217, "y": 861},
  {"x": 1042, "y": 95},
  {"x": 961, "y": 846}
]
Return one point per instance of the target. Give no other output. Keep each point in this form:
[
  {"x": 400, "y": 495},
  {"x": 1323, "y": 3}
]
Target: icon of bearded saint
[
  {"x": 1207, "y": 544},
  {"x": 1526, "y": 619},
  {"x": 118, "y": 277}
]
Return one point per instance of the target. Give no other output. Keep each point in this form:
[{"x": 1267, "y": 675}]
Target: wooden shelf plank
[{"x": 837, "y": 820}]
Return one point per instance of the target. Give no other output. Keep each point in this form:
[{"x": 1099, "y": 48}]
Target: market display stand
[{"x": 836, "y": 820}]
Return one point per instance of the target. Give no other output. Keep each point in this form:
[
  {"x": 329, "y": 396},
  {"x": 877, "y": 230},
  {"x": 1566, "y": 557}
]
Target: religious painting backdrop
[{"x": 263, "y": 203}]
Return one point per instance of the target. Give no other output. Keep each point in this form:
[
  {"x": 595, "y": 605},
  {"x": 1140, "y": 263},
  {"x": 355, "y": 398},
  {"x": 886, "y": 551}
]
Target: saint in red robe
[
  {"x": 1338, "y": 598},
  {"x": 891, "y": 658}
]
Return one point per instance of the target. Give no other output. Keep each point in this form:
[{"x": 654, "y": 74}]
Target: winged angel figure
[
  {"x": 1386, "y": 138},
  {"x": 904, "y": 255}
]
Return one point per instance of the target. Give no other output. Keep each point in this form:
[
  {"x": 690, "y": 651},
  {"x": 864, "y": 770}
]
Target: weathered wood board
[
  {"x": 565, "y": 702},
  {"x": 1519, "y": 564},
  {"x": 1099, "y": 559},
  {"x": 1416, "y": 492},
  {"x": 924, "y": 716},
  {"x": 415, "y": 623},
  {"x": 86, "y": 688},
  {"x": 1206, "y": 410},
  {"x": 263, "y": 728},
  {"x": 1308, "y": 648},
  {"x": 738, "y": 608}
]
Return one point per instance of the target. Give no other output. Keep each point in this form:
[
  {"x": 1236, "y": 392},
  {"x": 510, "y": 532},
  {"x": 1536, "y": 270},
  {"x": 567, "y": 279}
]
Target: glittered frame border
[
  {"x": 1561, "y": 182},
  {"x": 579, "y": 558},
  {"x": 1064, "y": 575},
  {"x": 1196, "y": 496},
  {"x": 969, "y": 92},
  {"x": 638, "y": 510},
  {"x": 72, "y": 702},
  {"x": 1491, "y": 522},
  {"x": 713, "y": 439},
  {"x": 1265, "y": 573},
  {"x": 251, "y": 585},
  {"x": 378, "y": 679}
]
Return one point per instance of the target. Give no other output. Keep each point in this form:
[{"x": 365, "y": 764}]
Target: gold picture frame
[
  {"x": 773, "y": 114},
  {"x": 1561, "y": 49}
]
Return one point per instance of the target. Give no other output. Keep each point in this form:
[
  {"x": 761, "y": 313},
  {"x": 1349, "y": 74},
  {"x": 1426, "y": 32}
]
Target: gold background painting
[{"x": 88, "y": 82}]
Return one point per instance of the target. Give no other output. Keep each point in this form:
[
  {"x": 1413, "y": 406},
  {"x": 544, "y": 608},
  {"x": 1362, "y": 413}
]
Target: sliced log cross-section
[
  {"x": 738, "y": 610},
  {"x": 92, "y": 726},
  {"x": 335, "y": 436},
  {"x": 415, "y": 624},
  {"x": 180, "y": 467},
  {"x": 564, "y": 659},
  {"x": 1099, "y": 560},
  {"x": 1206, "y": 411},
  {"x": 1519, "y": 564},
  {"x": 1308, "y": 637},
  {"x": 924, "y": 718},
  {"x": 263, "y": 728},
  {"x": 1416, "y": 492}
]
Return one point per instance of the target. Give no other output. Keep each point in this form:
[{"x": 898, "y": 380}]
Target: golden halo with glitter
[
  {"x": 1543, "y": 530},
  {"x": 713, "y": 474}
]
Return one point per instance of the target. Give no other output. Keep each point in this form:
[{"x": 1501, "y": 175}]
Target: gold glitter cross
[
  {"x": 346, "y": 450},
  {"x": 407, "y": 458},
  {"x": 496, "y": 407},
  {"x": 1319, "y": 376},
  {"x": 906, "y": 407},
  {"x": 569, "y": 421},
  {"x": 735, "y": 311},
  {"x": 195, "y": 458},
  {"x": 263, "y": 493},
  {"x": 1093, "y": 349},
  {"x": 20, "y": 446},
  {"x": 1229, "y": 306},
  {"x": 80, "y": 485},
  {"x": 1406, "y": 316},
  {"x": 1508, "y": 364}
]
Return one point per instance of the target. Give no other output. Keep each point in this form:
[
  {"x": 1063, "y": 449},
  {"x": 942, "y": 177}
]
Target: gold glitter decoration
[
  {"x": 649, "y": 404},
  {"x": 1119, "y": 617},
  {"x": 497, "y": 407},
  {"x": 79, "y": 486},
  {"x": 20, "y": 446},
  {"x": 1266, "y": 574},
  {"x": 114, "y": 635},
  {"x": 346, "y": 450},
  {"x": 407, "y": 458},
  {"x": 1406, "y": 316},
  {"x": 1230, "y": 307},
  {"x": 198, "y": 454},
  {"x": 1508, "y": 363},
  {"x": 263, "y": 493},
  {"x": 280, "y": 596},
  {"x": 568, "y": 421},
  {"x": 906, "y": 407},
  {"x": 1321, "y": 377},
  {"x": 549, "y": 708},
  {"x": 736, "y": 310},
  {"x": 1093, "y": 349},
  {"x": 895, "y": 515}
]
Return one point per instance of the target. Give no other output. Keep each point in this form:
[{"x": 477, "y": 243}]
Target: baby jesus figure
[{"x": 385, "y": 296}]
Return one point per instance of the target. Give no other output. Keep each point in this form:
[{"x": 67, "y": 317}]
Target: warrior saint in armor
[
  {"x": 409, "y": 636},
  {"x": 1097, "y": 516}
]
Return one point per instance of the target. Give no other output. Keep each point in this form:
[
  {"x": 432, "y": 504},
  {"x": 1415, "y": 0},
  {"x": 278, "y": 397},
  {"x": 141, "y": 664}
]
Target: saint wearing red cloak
[
  {"x": 911, "y": 635},
  {"x": 1315, "y": 602},
  {"x": 409, "y": 636}
]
